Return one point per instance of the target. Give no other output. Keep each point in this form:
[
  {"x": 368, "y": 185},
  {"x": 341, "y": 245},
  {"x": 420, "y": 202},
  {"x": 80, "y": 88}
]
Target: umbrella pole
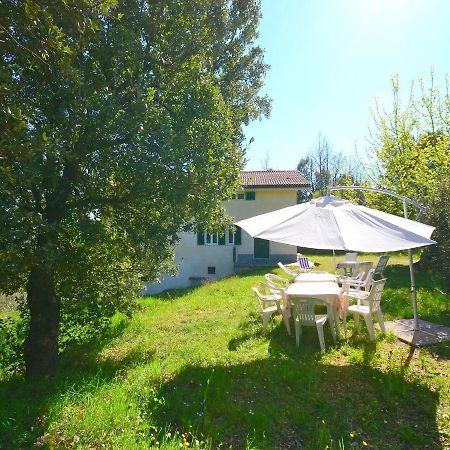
[
  {"x": 411, "y": 274},
  {"x": 334, "y": 261}
]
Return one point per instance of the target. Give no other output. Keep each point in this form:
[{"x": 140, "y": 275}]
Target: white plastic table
[
  {"x": 315, "y": 277},
  {"x": 326, "y": 291}
]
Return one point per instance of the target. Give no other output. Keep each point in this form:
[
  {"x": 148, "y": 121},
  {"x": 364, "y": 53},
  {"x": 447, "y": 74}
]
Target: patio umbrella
[{"x": 336, "y": 224}]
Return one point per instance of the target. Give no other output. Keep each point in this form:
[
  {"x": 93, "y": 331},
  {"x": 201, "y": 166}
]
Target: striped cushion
[{"x": 304, "y": 263}]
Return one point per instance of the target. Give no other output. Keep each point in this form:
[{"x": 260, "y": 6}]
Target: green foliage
[
  {"x": 412, "y": 143},
  {"x": 12, "y": 337},
  {"x": 121, "y": 127},
  {"x": 437, "y": 257}
]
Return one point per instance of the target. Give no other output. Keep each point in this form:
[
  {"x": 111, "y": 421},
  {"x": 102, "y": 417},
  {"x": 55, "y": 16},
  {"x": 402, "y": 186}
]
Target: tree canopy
[
  {"x": 121, "y": 126},
  {"x": 412, "y": 144},
  {"x": 411, "y": 141}
]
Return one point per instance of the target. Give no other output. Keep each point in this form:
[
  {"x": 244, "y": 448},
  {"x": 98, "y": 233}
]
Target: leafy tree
[
  {"x": 437, "y": 257},
  {"x": 412, "y": 142},
  {"x": 121, "y": 126}
]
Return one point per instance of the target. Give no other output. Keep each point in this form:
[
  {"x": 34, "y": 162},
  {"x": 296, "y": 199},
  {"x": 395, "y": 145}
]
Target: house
[{"x": 210, "y": 256}]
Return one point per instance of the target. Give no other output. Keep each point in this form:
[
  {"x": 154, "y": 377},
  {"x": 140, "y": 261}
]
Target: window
[
  {"x": 250, "y": 195},
  {"x": 225, "y": 237},
  {"x": 241, "y": 196},
  {"x": 211, "y": 270},
  {"x": 211, "y": 239}
]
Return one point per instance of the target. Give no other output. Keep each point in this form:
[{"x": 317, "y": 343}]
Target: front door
[{"x": 261, "y": 248}]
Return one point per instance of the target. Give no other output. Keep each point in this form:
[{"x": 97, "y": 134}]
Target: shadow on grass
[
  {"x": 26, "y": 406},
  {"x": 284, "y": 402}
]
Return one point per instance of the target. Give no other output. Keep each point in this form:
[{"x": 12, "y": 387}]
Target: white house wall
[
  {"x": 193, "y": 259},
  {"x": 266, "y": 200}
]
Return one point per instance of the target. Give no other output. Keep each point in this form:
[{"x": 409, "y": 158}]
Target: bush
[
  {"x": 437, "y": 257},
  {"x": 12, "y": 336}
]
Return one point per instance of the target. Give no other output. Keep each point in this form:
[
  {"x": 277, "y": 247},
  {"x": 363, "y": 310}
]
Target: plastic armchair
[
  {"x": 364, "y": 283},
  {"x": 369, "y": 306},
  {"x": 276, "y": 282},
  {"x": 364, "y": 267},
  {"x": 349, "y": 264},
  {"x": 351, "y": 257},
  {"x": 304, "y": 315},
  {"x": 381, "y": 265},
  {"x": 290, "y": 272},
  {"x": 271, "y": 304}
]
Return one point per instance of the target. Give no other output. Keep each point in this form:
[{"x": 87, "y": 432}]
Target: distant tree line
[{"x": 324, "y": 167}]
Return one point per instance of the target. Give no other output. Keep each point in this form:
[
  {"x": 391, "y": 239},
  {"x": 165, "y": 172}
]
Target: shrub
[{"x": 437, "y": 257}]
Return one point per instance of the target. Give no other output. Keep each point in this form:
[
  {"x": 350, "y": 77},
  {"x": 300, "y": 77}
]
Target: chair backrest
[
  {"x": 374, "y": 298},
  {"x": 367, "y": 280},
  {"x": 264, "y": 297},
  {"x": 350, "y": 257},
  {"x": 288, "y": 271},
  {"x": 381, "y": 265},
  {"x": 364, "y": 266},
  {"x": 259, "y": 297},
  {"x": 304, "y": 310},
  {"x": 304, "y": 263},
  {"x": 275, "y": 281}
]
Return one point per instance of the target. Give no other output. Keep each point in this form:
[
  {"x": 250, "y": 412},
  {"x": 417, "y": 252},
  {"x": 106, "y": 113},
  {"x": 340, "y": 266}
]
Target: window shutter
[
  {"x": 238, "y": 236},
  {"x": 200, "y": 238},
  {"x": 250, "y": 195},
  {"x": 222, "y": 238}
]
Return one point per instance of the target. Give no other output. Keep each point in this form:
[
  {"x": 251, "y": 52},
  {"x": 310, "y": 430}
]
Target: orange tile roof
[{"x": 273, "y": 178}]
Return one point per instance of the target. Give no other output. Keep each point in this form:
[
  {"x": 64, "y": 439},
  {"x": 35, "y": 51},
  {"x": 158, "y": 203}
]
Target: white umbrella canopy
[{"x": 336, "y": 224}]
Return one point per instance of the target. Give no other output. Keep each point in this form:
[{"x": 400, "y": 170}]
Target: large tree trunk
[{"x": 41, "y": 345}]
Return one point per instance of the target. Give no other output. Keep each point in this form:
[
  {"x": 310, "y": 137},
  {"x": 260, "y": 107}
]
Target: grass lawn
[{"x": 193, "y": 369}]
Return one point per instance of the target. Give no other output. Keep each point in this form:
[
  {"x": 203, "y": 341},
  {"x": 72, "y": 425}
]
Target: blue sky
[{"x": 330, "y": 58}]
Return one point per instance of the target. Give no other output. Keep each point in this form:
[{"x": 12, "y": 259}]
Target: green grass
[{"x": 194, "y": 369}]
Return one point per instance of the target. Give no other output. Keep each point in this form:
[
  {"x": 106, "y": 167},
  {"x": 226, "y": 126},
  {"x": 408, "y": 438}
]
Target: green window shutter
[
  {"x": 200, "y": 238},
  {"x": 238, "y": 236},
  {"x": 222, "y": 238},
  {"x": 250, "y": 195}
]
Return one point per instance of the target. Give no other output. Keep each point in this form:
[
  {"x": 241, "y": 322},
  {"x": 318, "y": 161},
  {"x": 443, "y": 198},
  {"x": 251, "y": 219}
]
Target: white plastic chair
[
  {"x": 349, "y": 263},
  {"x": 271, "y": 303},
  {"x": 289, "y": 271},
  {"x": 360, "y": 272},
  {"x": 276, "y": 282},
  {"x": 351, "y": 257},
  {"x": 367, "y": 306},
  {"x": 363, "y": 284},
  {"x": 304, "y": 314}
]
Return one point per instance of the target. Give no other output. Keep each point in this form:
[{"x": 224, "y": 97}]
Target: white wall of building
[
  {"x": 193, "y": 259},
  {"x": 266, "y": 200}
]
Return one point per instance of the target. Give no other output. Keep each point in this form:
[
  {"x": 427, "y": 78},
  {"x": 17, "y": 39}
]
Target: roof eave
[{"x": 275, "y": 186}]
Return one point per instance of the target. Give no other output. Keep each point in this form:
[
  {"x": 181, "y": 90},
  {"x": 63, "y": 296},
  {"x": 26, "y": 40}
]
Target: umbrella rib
[{"x": 340, "y": 233}]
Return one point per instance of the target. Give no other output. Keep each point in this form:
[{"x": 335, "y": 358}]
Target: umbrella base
[{"x": 428, "y": 333}]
